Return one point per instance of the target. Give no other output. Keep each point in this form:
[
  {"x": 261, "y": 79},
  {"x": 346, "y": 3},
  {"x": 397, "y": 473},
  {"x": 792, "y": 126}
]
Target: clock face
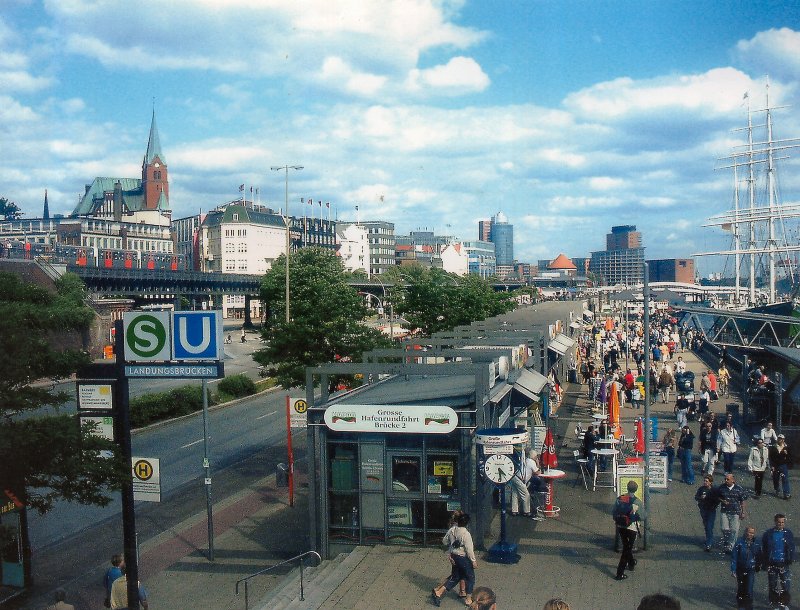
[{"x": 498, "y": 468}]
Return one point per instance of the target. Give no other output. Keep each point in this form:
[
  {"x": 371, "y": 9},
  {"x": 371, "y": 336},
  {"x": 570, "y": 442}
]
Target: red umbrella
[
  {"x": 639, "y": 446},
  {"x": 549, "y": 458}
]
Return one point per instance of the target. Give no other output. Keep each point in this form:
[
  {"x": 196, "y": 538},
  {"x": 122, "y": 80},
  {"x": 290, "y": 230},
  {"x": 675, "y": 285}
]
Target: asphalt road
[{"x": 235, "y": 432}]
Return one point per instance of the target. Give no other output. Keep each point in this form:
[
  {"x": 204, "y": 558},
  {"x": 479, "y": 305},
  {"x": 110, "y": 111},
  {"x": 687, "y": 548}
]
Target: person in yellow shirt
[{"x": 723, "y": 379}]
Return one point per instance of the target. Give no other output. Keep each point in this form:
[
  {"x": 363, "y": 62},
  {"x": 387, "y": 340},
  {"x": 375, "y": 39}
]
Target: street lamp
[
  {"x": 286, "y": 168},
  {"x": 391, "y": 313}
]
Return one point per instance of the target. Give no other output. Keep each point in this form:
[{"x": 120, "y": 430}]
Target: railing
[{"x": 298, "y": 558}]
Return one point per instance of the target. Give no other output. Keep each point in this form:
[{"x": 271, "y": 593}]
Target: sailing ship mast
[{"x": 756, "y": 153}]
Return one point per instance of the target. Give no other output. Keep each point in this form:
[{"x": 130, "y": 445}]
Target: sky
[{"x": 568, "y": 116}]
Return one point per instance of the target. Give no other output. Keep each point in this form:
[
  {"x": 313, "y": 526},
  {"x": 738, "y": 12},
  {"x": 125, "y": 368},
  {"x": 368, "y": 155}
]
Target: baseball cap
[{"x": 781, "y": 436}]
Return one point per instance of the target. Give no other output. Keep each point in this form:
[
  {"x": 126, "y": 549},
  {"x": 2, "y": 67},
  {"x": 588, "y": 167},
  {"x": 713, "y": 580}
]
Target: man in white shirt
[{"x": 680, "y": 365}]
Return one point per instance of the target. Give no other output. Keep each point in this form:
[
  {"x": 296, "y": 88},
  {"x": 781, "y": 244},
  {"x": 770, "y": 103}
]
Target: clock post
[{"x": 497, "y": 464}]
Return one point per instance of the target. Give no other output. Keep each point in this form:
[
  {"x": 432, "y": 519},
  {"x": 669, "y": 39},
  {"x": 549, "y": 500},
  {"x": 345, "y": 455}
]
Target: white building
[
  {"x": 455, "y": 259},
  {"x": 353, "y": 243}
]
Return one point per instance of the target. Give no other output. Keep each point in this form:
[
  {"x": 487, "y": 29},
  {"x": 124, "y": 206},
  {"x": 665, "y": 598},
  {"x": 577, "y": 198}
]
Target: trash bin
[{"x": 282, "y": 475}]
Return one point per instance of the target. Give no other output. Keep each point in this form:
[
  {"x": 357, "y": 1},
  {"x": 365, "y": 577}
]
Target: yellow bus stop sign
[{"x": 300, "y": 405}]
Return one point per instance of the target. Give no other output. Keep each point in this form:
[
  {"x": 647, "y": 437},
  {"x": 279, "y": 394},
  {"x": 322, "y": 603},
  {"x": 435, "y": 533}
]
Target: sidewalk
[{"x": 570, "y": 557}]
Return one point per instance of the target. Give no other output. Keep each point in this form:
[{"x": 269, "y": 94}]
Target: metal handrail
[{"x": 299, "y": 557}]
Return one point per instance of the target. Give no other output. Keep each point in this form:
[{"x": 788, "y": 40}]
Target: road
[{"x": 235, "y": 433}]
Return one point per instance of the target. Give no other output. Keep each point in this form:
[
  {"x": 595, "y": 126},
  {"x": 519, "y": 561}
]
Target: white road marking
[
  {"x": 190, "y": 444},
  {"x": 267, "y": 415}
]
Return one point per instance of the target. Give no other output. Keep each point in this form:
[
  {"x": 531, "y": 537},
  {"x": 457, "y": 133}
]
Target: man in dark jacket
[
  {"x": 707, "y": 502},
  {"x": 685, "y": 447},
  {"x": 708, "y": 447},
  {"x": 777, "y": 546},
  {"x": 780, "y": 460},
  {"x": 745, "y": 562},
  {"x": 732, "y": 499}
]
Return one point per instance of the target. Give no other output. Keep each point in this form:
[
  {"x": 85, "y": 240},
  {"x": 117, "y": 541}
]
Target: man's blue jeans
[
  {"x": 687, "y": 471},
  {"x": 709, "y": 516},
  {"x": 781, "y": 474},
  {"x": 670, "y": 453}
]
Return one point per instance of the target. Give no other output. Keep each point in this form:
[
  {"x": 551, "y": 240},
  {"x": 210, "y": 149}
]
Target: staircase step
[
  {"x": 321, "y": 591},
  {"x": 289, "y": 589}
]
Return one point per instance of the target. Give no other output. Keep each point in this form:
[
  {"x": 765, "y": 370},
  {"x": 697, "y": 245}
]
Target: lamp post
[
  {"x": 391, "y": 313},
  {"x": 286, "y": 168}
]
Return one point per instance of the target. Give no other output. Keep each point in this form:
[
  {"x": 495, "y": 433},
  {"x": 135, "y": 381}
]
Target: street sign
[
  {"x": 95, "y": 396},
  {"x": 147, "y": 336},
  {"x": 146, "y": 479},
  {"x": 163, "y": 335},
  {"x": 197, "y": 335},
  {"x": 170, "y": 370},
  {"x": 298, "y": 414},
  {"x": 104, "y": 426}
]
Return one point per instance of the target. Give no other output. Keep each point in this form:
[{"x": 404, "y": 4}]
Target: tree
[
  {"x": 433, "y": 300},
  {"x": 9, "y": 210},
  {"x": 46, "y": 457},
  {"x": 326, "y": 322}
]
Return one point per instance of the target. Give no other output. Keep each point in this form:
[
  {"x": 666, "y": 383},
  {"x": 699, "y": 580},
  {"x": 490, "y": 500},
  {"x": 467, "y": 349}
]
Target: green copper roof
[
  {"x": 153, "y": 144},
  {"x": 132, "y": 195},
  {"x": 244, "y": 215}
]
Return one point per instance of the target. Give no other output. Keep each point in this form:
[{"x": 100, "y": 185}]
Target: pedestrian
[
  {"x": 745, "y": 562},
  {"x": 732, "y": 499},
  {"x": 119, "y": 594},
  {"x": 780, "y": 460},
  {"x": 727, "y": 444},
  {"x": 669, "y": 450},
  {"x": 627, "y": 513},
  {"x": 685, "y": 448},
  {"x": 60, "y": 601},
  {"x": 115, "y": 571},
  {"x": 769, "y": 435},
  {"x": 483, "y": 598},
  {"x": 723, "y": 379},
  {"x": 708, "y": 447},
  {"x": 665, "y": 382},
  {"x": 707, "y": 501},
  {"x": 454, "y": 523},
  {"x": 757, "y": 463},
  {"x": 556, "y": 604},
  {"x": 243, "y": 337},
  {"x": 519, "y": 488},
  {"x": 462, "y": 558},
  {"x": 777, "y": 548}
]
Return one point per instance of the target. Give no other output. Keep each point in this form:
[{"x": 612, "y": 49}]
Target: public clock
[{"x": 499, "y": 468}]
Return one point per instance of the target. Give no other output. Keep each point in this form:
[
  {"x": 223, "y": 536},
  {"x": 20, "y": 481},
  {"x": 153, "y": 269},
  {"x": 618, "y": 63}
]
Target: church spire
[
  {"x": 46, "y": 213},
  {"x": 153, "y": 144}
]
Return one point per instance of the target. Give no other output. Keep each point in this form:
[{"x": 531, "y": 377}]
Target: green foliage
[
  {"x": 9, "y": 210},
  {"x": 46, "y": 457},
  {"x": 236, "y": 386},
  {"x": 151, "y": 408},
  {"x": 433, "y": 300},
  {"x": 326, "y": 317}
]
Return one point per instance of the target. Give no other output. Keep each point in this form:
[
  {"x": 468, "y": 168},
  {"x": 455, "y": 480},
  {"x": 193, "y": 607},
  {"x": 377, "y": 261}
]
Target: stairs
[{"x": 318, "y": 583}]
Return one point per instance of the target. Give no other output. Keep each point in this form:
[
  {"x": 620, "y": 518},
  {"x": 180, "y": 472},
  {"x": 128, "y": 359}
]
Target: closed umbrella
[
  {"x": 549, "y": 457},
  {"x": 639, "y": 445}
]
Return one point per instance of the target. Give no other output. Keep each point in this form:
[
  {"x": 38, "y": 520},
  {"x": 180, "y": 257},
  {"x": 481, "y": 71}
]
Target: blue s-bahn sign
[{"x": 190, "y": 336}]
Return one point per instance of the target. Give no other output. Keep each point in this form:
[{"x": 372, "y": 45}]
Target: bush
[
  {"x": 151, "y": 408},
  {"x": 237, "y": 386}
]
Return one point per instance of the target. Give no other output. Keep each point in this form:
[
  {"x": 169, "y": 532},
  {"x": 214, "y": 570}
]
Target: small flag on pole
[
  {"x": 241, "y": 188},
  {"x": 328, "y": 204}
]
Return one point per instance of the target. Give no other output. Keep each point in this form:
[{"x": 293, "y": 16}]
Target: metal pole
[
  {"x": 286, "y": 169},
  {"x": 745, "y": 388},
  {"x": 646, "y": 496},
  {"x": 128, "y": 509},
  {"x": 779, "y": 402},
  {"x": 207, "y": 466}
]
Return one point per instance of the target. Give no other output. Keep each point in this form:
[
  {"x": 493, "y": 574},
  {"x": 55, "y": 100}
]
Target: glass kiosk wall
[{"x": 393, "y": 488}]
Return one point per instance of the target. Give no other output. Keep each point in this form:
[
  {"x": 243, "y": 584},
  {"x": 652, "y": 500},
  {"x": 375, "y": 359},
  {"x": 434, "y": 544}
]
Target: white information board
[
  {"x": 657, "y": 475},
  {"x": 146, "y": 479}
]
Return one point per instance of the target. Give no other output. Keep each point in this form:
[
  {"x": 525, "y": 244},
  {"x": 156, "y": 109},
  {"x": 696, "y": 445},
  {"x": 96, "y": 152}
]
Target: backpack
[{"x": 623, "y": 511}]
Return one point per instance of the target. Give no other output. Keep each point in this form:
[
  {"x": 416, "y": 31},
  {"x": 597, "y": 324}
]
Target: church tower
[{"x": 155, "y": 184}]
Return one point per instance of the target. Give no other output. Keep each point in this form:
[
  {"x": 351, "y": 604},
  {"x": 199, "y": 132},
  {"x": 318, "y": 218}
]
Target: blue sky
[{"x": 568, "y": 116}]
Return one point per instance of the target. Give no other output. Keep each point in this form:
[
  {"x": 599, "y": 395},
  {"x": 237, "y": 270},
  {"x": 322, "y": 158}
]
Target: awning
[
  {"x": 575, "y": 324},
  {"x": 788, "y": 354},
  {"x": 530, "y": 384},
  {"x": 560, "y": 344}
]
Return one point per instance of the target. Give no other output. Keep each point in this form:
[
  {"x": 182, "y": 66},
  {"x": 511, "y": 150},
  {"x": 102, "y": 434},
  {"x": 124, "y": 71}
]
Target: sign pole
[
  {"x": 207, "y": 466},
  {"x": 647, "y": 390},
  {"x": 128, "y": 510},
  {"x": 289, "y": 449}
]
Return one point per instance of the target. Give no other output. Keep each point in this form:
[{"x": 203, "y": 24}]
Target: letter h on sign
[{"x": 196, "y": 335}]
